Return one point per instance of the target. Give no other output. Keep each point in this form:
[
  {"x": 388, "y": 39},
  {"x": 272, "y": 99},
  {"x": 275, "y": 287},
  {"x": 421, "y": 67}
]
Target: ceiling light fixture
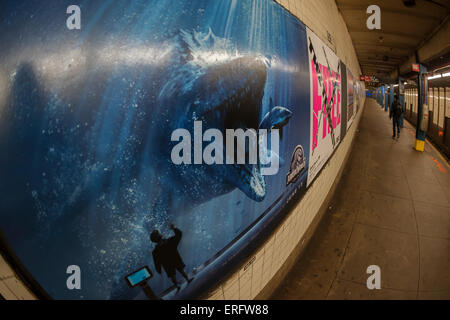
[{"x": 434, "y": 77}]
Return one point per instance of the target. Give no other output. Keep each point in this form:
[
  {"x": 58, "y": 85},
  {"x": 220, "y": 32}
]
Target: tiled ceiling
[{"x": 403, "y": 29}]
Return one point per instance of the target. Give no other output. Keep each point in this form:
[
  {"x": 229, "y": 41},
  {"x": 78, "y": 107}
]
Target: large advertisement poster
[
  {"x": 118, "y": 129},
  {"x": 325, "y": 86}
]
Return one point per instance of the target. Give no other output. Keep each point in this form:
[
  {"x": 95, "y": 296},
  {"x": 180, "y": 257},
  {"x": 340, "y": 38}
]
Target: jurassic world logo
[{"x": 298, "y": 164}]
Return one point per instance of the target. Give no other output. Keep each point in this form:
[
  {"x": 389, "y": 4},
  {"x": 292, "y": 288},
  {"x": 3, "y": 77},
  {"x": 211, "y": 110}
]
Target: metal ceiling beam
[
  {"x": 384, "y": 33},
  {"x": 373, "y": 56},
  {"x": 369, "y": 55},
  {"x": 384, "y": 49},
  {"x": 406, "y": 12},
  {"x": 377, "y": 68},
  {"x": 398, "y": 45},
  {"x": 378, "y": 62},
  {"x": 377, "y": 58},
  {"x": 382, "y": 45},
  {"x": 374, "y": 51}
]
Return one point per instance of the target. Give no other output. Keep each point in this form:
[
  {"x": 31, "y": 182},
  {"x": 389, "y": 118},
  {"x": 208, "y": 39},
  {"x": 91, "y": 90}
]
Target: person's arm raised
[{"x": 178, "y": 233}]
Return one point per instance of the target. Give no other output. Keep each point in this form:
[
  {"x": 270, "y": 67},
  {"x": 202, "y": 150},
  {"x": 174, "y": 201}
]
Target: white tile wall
[{"x": 11, "y": 288}]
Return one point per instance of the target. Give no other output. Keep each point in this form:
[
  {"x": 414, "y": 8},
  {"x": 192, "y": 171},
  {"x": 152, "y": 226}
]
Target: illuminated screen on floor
[{"x": 138, "y": 277}]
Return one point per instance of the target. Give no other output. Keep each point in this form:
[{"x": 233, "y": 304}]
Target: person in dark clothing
[
  {"x": 166, "y": 255},
  {"x": 395, "y": 114}
]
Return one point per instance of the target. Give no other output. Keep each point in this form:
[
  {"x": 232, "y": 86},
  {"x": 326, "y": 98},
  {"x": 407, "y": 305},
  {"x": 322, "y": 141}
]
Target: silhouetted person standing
[
  {"x": 395, "y": 114},
  {"x": 166, "y": 255}
]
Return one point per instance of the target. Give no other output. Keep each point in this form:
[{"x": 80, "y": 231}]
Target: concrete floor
[{"x": 391, "y": 209}]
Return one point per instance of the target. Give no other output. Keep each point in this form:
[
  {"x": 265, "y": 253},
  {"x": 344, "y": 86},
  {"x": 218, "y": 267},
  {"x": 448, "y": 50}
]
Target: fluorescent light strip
[{"x": 434, "y": 77}]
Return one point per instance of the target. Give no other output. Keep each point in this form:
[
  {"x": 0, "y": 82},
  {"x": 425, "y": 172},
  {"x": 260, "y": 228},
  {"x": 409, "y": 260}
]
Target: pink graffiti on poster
[
  {"x": 319, "y": 107},
  {"x": 325, "y": 103}
]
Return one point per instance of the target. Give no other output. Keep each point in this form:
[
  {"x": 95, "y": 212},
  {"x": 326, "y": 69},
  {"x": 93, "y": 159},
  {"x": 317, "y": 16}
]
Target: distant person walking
[
  {"x": 395, "y": 114},
  {"x": 166, "y": 255}
]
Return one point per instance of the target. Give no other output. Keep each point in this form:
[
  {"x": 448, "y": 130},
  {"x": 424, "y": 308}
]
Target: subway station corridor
[
  {"x": 226, "y": 150},
  {"x": 391, "y": 209}
]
